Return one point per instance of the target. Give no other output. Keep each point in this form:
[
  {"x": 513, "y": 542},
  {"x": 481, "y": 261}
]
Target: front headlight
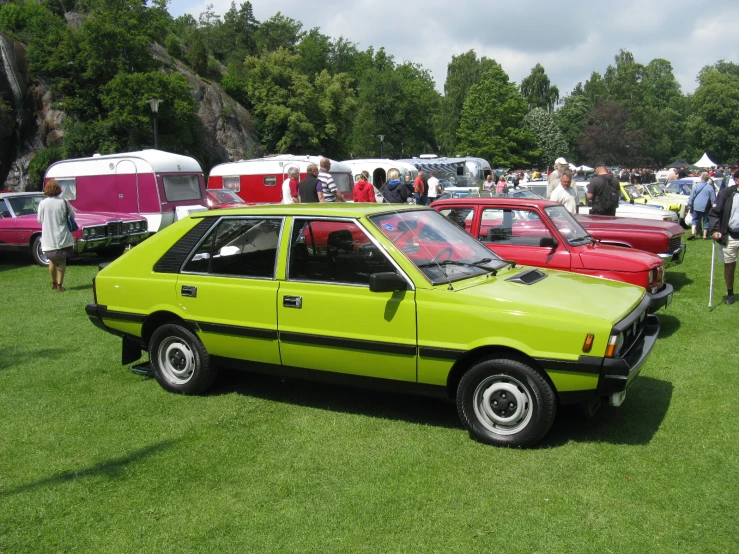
[
  {"x": 85, "y": 233},
  {"x": 650, "y": 276}
]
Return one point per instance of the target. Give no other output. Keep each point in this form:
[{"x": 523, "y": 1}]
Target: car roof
[
  {"x": 323, "y": 209},
  {"x": 494, "y": 201}
]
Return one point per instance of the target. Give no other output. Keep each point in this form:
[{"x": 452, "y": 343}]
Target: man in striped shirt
[{"x": 330, "y": 192}]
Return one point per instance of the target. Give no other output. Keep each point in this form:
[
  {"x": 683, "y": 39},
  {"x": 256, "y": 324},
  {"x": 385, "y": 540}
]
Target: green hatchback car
[{"x": 396, "y": 297}]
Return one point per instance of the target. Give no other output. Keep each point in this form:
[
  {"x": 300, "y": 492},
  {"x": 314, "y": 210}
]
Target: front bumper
[
  {"x": 96, "y": 243},
  {"x": 660, "y": 299},
  {"x": 676, "y": 257}
]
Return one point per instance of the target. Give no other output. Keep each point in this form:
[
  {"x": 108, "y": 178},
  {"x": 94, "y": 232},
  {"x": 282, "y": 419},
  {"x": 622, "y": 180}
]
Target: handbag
[{"x": 71, "y": 223}]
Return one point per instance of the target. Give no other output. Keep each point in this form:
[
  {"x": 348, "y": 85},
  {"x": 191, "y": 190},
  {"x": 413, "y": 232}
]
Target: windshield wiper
[
  {"x": 478, "y": 264},
  {"x": 581, "y": 239}
]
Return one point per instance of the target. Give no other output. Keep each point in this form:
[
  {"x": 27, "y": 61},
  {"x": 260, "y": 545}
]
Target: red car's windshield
[
  {"x": 223, "y": 197},
  {"x": 25, "y": 205},
  {"x": 436, "y": 246}
]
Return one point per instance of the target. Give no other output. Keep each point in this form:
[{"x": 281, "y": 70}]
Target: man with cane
[{"x": 724, "y": 228}]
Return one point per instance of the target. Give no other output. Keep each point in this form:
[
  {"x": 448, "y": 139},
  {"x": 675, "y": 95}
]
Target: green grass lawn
[{"x": 94, "y": 458}]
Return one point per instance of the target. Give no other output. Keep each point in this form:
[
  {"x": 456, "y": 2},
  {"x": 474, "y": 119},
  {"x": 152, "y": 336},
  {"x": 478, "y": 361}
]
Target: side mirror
[
  {"x": 387, "y": 282},
  {"x": 548, "y": 242}
]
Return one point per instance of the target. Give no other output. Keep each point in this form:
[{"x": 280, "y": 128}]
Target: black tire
[
  {"x": 37, "y": 253},
  {"x": 111, "y": 251},
  {"x": 531, "y": 403},
  {"x": 179, "y": 360}
]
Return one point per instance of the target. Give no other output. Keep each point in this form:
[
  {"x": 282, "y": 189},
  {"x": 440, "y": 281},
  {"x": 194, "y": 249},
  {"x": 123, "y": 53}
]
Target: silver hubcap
[
  {"x": 41, "y": 255},
  {"x": 176, "y": 360},
  {"x": 502, "y": 404}
]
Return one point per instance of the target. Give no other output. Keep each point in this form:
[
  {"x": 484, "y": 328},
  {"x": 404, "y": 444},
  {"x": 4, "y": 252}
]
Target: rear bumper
[{"x": 660, "y": 299}]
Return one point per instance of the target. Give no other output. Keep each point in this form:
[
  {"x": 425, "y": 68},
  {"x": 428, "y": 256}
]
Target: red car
[
  {"x": 101, "y": 232},
  {"x": 224, "y": 198},
  {"x": 544, "y": 234},
  {"x": 663, "y": 238}
]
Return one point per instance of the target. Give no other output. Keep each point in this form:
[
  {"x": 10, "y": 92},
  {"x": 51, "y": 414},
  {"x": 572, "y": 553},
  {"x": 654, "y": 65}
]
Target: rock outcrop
[{"x": 33, "y": 124}]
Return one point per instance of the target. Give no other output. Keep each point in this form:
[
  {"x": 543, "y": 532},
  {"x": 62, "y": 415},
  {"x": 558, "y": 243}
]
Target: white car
[{"x": 640, "y": 211}]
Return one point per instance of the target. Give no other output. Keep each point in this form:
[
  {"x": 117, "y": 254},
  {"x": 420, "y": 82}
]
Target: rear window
[{"x": 182, "y": 187}]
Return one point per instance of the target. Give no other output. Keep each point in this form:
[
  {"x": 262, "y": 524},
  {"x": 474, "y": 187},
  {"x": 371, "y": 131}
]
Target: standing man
[
  {"x": 604, "y": 190},
  {"x": 683, "y": 173},
  {"x": 418, "y": 188},
  {"x": 310, "y": 189},
  {"x": 560, "y": 165},
  {"x": 565, "y": 193},
  {"x": 724, "y": 226},
  {"x": 290, "y": 187},
  {"x": 434, "y": 188},
  {"x": 330, "y": 192}
]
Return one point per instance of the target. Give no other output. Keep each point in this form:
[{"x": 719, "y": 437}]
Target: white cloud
[{"x": 570, "y": 38}]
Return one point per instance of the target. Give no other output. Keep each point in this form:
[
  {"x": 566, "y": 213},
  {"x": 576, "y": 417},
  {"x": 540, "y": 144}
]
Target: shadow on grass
[
  {"x": 109, "y": 468},
  {"x": 18, "y": 260},
  {"x": 336, "y": 398},
  {"x": 10, "y": 357},
  {"x": 635, "y": 422},
  {"x": 677, "y": 280},
  {"x": 668, "y": 325},
  {"x": 81, "y": 287}
]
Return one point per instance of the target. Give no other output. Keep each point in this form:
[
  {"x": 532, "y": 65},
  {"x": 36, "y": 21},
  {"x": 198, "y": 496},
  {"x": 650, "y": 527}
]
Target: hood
[
  {"x": 602, "y": 257},
  {"x": 628, "y": 224},
  {"x": 561, "y": 295}
]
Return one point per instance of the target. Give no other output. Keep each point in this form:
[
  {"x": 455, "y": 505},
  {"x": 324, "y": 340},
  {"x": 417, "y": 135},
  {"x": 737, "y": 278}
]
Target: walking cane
[{"x": 713, "y": 257}]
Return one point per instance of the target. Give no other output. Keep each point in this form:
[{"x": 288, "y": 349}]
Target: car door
[
  {"x": 329, "y": 320},
  {"x": 516, "y": 234},
  {"x": 229, "y": 290},
  {"x": 8, "y": 233}
]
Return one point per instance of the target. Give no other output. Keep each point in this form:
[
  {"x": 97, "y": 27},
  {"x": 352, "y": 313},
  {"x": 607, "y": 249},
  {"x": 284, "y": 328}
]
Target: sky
[{"x": 571, "y": 39}]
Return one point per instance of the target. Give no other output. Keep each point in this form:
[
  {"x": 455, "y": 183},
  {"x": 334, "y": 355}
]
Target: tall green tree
[
  {"x": 492, "y": 123},
  {"x": 279, "y": 31},
  {"x": 715, "y": 125},
  {"x": 549, "y": 140},
  {"x": 571, "y": 118},
  {"x": 606, "y": 136},
  {"x": 538, "y": 91}
]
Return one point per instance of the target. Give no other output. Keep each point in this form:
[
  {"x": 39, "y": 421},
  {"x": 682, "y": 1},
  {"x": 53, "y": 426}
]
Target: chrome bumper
[
  {"x": 96, "y": 243},
  {"x": 676, "y": 258}
]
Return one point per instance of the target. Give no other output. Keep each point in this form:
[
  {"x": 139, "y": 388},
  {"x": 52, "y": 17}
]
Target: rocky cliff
[{"x": 30, "y": 123}]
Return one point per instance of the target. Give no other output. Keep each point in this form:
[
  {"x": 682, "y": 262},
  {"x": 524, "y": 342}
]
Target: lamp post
[
  {"x": 382, "y": 139},
  {"x": 154, "y": 104}
]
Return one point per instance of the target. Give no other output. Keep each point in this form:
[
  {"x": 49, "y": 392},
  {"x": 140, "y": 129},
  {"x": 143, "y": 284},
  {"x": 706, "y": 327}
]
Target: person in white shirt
[
  {"x": 434, "y": 188},
  {"x": 560, "y": 166},
  {"x": 566, "y": 193},
  {"x": 290, "y": 187}
]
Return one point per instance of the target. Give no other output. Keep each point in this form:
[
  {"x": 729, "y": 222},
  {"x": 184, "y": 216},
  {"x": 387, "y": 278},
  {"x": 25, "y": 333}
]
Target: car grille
[
  {"x": 633, "y": 333},
  {"x": 115, "y": 228},
  {"x": 674, "y": 243}
]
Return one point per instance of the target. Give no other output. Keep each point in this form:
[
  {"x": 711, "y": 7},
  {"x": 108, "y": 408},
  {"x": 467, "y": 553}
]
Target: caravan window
[
  {"x": 343, "y": 181},
  {"x": 232, "y": 183},
  {"x": 69, "y": 188},
  {"x": 181, "y": 187},
  {"x": 270, "y": 181}
]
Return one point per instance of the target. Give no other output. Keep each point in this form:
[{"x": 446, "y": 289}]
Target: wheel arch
[
  {"x": 159, "y": 318},
  {"x": 463, "y": 364}
]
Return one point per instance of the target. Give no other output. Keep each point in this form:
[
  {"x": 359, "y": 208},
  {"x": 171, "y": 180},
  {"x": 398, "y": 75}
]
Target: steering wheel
[{"x": 448, "y": 251}]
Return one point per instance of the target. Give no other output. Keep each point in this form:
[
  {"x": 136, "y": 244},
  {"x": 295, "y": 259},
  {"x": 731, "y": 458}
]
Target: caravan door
[{"x": 126, "y": 185}]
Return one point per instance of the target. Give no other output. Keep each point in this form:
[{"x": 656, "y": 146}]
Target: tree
[
  {"x": 462, "y": 73},
  {"x": 549, "y": 139},
  {"x": 537, "y": 90},
  {"x": 571, "y": 118},
  {"x": 606, "y": 137},
  {"x": 715, "y": 125},
  {"x": 491, "y": 125},
  {"x": 278, "y": 32},
  {"x": 314, "y": 50}
]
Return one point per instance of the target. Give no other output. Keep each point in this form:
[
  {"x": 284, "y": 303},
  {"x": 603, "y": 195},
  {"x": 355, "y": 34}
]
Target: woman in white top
[{"x": 56, "y": 239}]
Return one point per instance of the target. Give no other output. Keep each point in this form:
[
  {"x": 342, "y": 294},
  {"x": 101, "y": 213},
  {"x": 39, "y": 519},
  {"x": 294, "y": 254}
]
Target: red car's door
[
  {"x": 516, "y": 234},
  {"x": 8, "y": 234}
]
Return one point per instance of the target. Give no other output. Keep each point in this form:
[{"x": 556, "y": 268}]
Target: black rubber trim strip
[
  {"x": 236, "y": 330},
  {"x": 440, "y": 353},
  {"x": 353, "y": 344},
  {"x": 173, "y": 259},
  {"x": 104, "y": 312},
  {"x": 341, "y": 379},
  {"x": 585, "y": 364}
]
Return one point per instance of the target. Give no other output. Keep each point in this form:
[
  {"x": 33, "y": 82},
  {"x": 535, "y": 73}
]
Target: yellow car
[
  {"x": 656, "y": 191},
  {"x": 633, "y": 194}
]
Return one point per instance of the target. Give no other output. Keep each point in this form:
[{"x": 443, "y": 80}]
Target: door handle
[
  {"x": 292, "y": 301},
  {"x": 120, "y": 196},
  {"x": 189, "y": 291}
]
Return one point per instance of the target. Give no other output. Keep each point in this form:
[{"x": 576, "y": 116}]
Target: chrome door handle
[
  {"x": 292, "y": 301},
  {"x": 189, "y": 291}
]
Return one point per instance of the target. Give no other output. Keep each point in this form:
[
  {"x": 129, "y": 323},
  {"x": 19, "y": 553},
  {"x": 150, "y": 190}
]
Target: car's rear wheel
[
  {"x": 37, "y": 252},
  {"x": 180, "y": 362},
  {"x": 506, "y": 402}
]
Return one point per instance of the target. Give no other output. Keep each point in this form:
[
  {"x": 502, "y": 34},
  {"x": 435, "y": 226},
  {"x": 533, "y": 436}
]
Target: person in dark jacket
[
  {"x": 724, "y": 228},
  {"x": 363, "y": 190},
  {"x": 310, "y": 189},
  {"x": 394, "y": 191}
]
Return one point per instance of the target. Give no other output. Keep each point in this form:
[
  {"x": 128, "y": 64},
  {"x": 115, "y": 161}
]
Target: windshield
[
  {"x": 679, "y": 188},
  {"x": 632, "y": 191},
  {"x": 437, "y": 247},
  {"x": 224, "y": 197},
  {"x": 567, "y": 225},
  {"x": 655, "y": 190},
  {"x": 25, "y": 205}
]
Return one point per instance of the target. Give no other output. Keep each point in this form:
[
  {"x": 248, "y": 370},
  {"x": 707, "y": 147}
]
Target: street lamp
[
  {"x": 382, "y": 139},
  {"x": 154, "y": 104}
]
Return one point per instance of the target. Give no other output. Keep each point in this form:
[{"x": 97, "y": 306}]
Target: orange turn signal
[
  {"x": 588, "y": 343},
  {"x": 611, "y": 348}
]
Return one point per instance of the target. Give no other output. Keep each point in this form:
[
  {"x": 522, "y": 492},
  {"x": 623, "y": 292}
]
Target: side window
[
  {"x": 461, "y": 216},
  {"x": 232, "y": 183},
  {"x": 270, "y": 181},
  {"x": 239, "y": 247},
  {"x": 69, "y": 188},
  {"x": 522, "y": 227},
  {"x": 334, "y": 252}
]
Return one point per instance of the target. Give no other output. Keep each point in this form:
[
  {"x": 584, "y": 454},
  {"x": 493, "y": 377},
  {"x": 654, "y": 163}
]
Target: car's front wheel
[
  {"x": 180, "y": 362},
  {"x": 506, "y": 402},
  {"x": 37, "y": 252}
]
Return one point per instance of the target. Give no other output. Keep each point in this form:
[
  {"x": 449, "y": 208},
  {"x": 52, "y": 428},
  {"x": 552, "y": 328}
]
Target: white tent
[
  {"x": 585, "y": 168},
  {"x": 705, "y": 161}
]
